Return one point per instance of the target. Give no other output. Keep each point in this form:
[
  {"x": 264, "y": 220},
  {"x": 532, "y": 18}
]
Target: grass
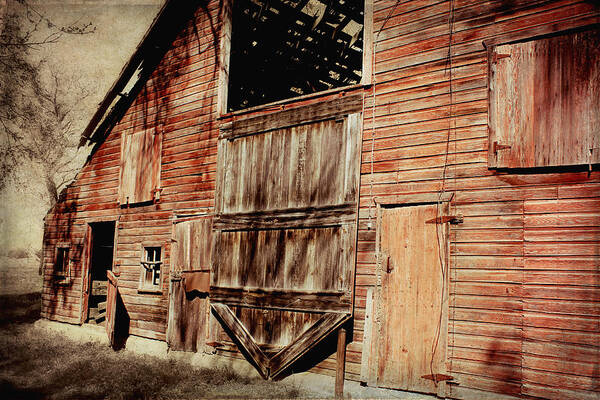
[
  {"x": 39, "y": 364},
  {"x": 19, "y": 275}
]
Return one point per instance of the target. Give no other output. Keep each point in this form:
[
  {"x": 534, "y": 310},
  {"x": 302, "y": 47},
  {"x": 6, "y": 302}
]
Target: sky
[{"x": 95, "y": 60}]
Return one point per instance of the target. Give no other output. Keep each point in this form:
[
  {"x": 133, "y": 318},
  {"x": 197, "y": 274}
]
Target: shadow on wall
[{"x": 504, "y": 368}]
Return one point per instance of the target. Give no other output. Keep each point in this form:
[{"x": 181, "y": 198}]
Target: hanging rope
[
  {"x": 374, "y": 81},
  {"x": 439, "y": 235}
]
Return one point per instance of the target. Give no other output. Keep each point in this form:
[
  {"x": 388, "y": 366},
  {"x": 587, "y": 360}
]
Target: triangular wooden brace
[
  {"x": 273, "y": 366},
  {"x": 313, "y": 335},
  {"x": 243, "y": 337}
]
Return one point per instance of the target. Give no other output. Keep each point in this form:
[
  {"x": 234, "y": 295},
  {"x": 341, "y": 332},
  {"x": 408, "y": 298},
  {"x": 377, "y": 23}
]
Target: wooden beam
[
  {"x": 243, "y": 338},
  {"x": 367, "y": 337},
  {"x": 340, "y": 370},
  {"x": 224, "y": 55},
  {"x": 280, "y": 299},
  {"x": 326, "y": 324},
  {"x": 289, "y": 218},
  {"x": 330, "y": 109}
]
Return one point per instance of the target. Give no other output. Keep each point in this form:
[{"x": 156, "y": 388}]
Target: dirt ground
[{"x": 39, "y": 363}]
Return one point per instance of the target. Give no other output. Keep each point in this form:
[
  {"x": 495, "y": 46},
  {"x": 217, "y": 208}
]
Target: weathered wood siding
[
  {"x": 524, "y": 317},
  {"x": 189, "y": 308},
  {"x": 179, "y": 100},
  {"x": 545, "y": 101},
  {"x": 524, "y": 264}
]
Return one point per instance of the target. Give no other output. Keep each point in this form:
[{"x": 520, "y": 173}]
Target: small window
[
  {"x": 544, "y": 104},
  {"x": 284, "y": 49},
  {"x": 150, "y": 274},
  {"x": 62, "y": 261}
]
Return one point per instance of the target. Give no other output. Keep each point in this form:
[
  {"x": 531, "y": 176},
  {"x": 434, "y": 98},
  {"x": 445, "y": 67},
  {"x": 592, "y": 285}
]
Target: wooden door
[
  {"x": 85, "y": 275},
  {"x": 188, "y": 297},
  {"x": 111, "y": 307},
  {"x": 544, "y": 101},
  {"x": 412, "y": 301},
  {"x": 282, "y": 276},
  {"x": 139, "y": 175},
  {"x": 117, "y": 317}
]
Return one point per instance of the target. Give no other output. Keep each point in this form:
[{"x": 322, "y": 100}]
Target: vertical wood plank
[
  {"x": 544, "y": 100},
  {"x": 243, "y": 185},
  {"x": 300, "y": 191},
  {"x": 352, "y": 132},
  {"x": 313, "y": 164},
  {"x": 340, "y": 360},
  {"x": 367, "y": 338},
  {"x": 224, "y": 56},
  {"x": 328, "y": 170}
]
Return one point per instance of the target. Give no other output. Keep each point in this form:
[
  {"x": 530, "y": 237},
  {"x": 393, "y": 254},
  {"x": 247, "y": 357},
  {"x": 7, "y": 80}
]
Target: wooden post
[{"x": 341, "y": 363}]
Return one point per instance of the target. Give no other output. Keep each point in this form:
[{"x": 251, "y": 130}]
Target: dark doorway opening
[{"x": 101, "y": 260}]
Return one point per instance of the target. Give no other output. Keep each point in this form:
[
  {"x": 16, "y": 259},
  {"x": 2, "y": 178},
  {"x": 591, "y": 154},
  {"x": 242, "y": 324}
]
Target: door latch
[
  {"x": 497, "y": 146},
  {"x": 389, "y": 265}
]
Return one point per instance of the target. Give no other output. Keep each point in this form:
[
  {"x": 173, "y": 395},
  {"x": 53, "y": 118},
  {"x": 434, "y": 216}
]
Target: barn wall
[
  {"x": 525, "y": 275},
  {"x": 179, "y": 98},
  {"x": 525, "y": 280}
]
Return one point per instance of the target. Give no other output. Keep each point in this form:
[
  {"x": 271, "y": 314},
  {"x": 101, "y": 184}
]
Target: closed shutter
[
  {"x": 140, "y": 166},
  {"x": 544, "y": 104}
]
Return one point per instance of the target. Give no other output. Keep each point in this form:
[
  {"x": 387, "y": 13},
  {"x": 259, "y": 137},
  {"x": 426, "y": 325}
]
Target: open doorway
[{"x": 101, "y": 260}]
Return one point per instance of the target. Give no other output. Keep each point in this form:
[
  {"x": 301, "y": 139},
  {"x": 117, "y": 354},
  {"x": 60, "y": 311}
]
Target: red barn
[{"x": 416, "y": 181}]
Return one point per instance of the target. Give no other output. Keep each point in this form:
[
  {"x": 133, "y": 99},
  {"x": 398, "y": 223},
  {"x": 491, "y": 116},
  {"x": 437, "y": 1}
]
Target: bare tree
[
  {"x": 36, "y": 114},
  {"x": 51, "y": 144}
]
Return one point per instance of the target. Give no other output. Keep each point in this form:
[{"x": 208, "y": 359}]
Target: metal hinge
[
  {"x": 438, "y": 377},
  {"x": 453, "y": 219},
  {"x": 157, "y": 191},
  {"x": 497, "y": 56},
  {"x": 497, "y": 146},
  {"x": 389, "y": 265}
]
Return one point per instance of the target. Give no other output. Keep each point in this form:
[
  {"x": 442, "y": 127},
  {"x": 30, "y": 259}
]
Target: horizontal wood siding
[
  {"x": 523, "y": 318},
  {"x": 524, "y": 277},
  {"x": 179, "y": 100}
]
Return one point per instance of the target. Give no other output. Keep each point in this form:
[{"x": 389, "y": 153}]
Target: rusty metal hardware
[
  {"x": 497, "y": 146},
  {"x": 438, "y": 377},
  {"x": 389, "y": 265},
  {"x": 453, "y": 219},
  {"x": 497, "y": 56}
]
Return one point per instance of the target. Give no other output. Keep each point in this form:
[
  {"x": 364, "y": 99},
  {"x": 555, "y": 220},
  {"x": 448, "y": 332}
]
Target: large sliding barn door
[
  {"x": 408, "y": 350},
  {"x": 285, "y": 230}
]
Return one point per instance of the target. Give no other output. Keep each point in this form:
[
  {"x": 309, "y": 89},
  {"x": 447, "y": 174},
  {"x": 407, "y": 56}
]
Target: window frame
[
  {"x": 64, "y": 275},
  {"x": 224, "y": 61},
  {"x": 144, "y": 286}
]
